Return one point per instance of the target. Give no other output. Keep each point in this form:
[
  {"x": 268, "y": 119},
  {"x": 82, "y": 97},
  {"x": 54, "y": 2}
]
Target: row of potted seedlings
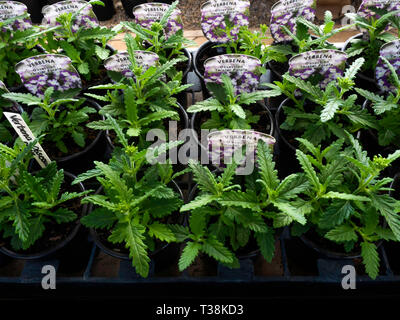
[{"x": 314, "y": 177}]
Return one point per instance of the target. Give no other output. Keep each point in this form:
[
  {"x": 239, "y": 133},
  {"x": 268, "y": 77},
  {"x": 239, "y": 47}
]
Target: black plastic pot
[
  {"x": 106, "y": 12},
  {"x": 194, "y": 124},
  {"x": 362, "y": 80},
  {"x": 60, "y": 246},
  {"x": 124, "y": 256},
  {"x": 35, "y": 9}
]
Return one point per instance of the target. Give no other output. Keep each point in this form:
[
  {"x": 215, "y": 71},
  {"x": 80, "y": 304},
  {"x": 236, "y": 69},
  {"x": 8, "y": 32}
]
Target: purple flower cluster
[
  {"x": 242, "y": 81},
  {"x": 288, "y": 18},
  {"x": 214, "y": 27},
  {"x": 382, "y": 73},
  {"x": 60, "y": 80},
  {"x": 328, "y": 73},
  {"x": 367, "y": 13}
]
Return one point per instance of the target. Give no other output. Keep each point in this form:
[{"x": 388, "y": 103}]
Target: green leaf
[
  {"x": 238, "y": 111},
  {"x": 199, "y": 201},
  {"x": 344, "y": 196},
  {"x": 101, "y": 52},
  {"x": 216, "y": 250},
  {"x": 308, "y": 169},
  {"x": 62, "y": 215},
  {"x": 351, "y": 71},
  {"x": 330, "y": 108},
  {"x": 188, "y": 255},
  {"x": 181, "y": 233},
  {"x": 371, "y": 259},
  {"x": 99, "y": 218},
  {"x": 267, "y": 166},
  {"x": 161, "y": 231},
  {"x": 266, "y": 242},
  {"x": 342, "y": 233},
  {"x": 386, "y": 205},
  {"x": 335, "y": 214},
  {"x": 203, "y": 176},
  {"x": 291, "y": 211},
  {"x": 197, "y": 221}
]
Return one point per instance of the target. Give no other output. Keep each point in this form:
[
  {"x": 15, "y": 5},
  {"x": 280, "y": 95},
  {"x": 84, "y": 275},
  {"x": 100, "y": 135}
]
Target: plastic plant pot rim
[
  {"x": 252, "y": 254},
  {"x": 62, "y": 244},
  {"x": 359, "y": 74},
  {"x": 195, "y": 136},
  {"x": 189, "y": 62},
  {"x": 182, "y": 112},
  {"x": 278, "y": 130},
  {"x": 122, "y": 256},
  {"x": 89, "y": 147}
]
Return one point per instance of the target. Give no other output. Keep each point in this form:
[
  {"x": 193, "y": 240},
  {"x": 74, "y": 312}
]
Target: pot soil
[
  {"x": 364, "y": 80},
  {"x": 100, "y": 237},
  {"x": 81, "y": 159},
  {"x": 258, "y": 109},
  {"x": 56, "y": 236}
]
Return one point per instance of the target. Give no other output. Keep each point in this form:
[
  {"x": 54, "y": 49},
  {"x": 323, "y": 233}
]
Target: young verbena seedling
[
  {"x": 58, "y": 116},
  {"x": 349, "y": 198},
  {"x": 223, "y": 218},
  {"x": 139, "y": 103},
  {"x": 227, "y": 108},
  {"x": 136, "y": 200},
  {"x": 388, "y": 109},
  {"x": 332, "y": 110},
  {"x": 30, "y": 200}
]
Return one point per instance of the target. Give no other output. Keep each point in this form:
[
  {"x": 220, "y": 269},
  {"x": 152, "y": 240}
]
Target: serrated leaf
[
  {"x": 217, "y": 250},
  {"x": 266, "y": 243},
  {"x": 188, "y": 255},
  {"x": 99, "y": 218},
  {"x": 342, "y": 233},
  {"x": 371, "y": 259}
]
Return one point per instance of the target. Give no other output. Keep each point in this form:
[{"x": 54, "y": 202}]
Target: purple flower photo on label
[
  {"x": 224, "y": 144},
  {"x": 243, "y": 70},
  {"x": 390, "y": 51},
  {"x": 285, "y": 13},
  {"x": 216, "y": 13},
  {"x": 12, "y": 9},
  {"x": 318, "y": 66},
  {"x": 85, "y": 19},
  {"x": 148, "y": 13},
  {"x": 48, "y": 70},
  {"x": 389, "y": 5},
  {"x": 120, "y": 62}
]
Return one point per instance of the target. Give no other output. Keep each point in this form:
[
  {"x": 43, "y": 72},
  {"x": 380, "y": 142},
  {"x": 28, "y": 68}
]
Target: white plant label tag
[
  {"x": 244, "y": 70},
  {"x": 318, "y": 66},
  {"x": 26, "y": 135},
  {"x": 390, "y": 51},
  {"x": 48, "y": 70},
  {"x": 120, "y": 62},
  {"x": 219, "y": 15},
  {"x": 285, "y": 13},
  {"x": 224, "y": 145},
  {"x": 12, "y": 9}
]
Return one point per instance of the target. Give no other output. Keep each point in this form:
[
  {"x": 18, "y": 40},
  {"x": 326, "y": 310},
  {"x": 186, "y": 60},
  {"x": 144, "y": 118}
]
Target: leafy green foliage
[
  {"x": 321, "y": 115},
  {"x": 135, "y": 203},
  {"x": 375, "y": 34},
  {"x": 387, "y": 110},
  {"x": 347, "y": 197},
  {"x": 30, "y": 200},
  {"x": 86, "y": 47},
  {"x": 227, "y": 109},
  {"x": 58, "y": 116}
]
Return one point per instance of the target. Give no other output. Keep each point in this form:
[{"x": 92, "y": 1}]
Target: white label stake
[{"x": 27, "y": 137}]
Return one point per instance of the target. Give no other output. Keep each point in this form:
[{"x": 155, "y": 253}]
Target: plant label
[
  {"x": 284, "y": 14},
  {"x": 13, "y": 9},
  {"x": 26, "y": 135},
  {"x": 390, "y": 51},
  {"x": 365, "y": 7},
  {"x": 48, "y": 70},
  {"x": 120, "y": 62},
  {"x": 245, "y": 71},
  {"x": 148, "y": 13},
  {"x": 225, "y": 145},
  {"x": 318, "y": 66},
  {"x": 221, "y": 20},
  {"x": 86, "y": 18}
]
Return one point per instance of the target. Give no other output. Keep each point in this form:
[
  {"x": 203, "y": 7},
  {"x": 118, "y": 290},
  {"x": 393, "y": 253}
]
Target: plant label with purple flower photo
[
  {"x": 221, "y": 20},
  {"x": 85, "y": 19},
  {"x": 48, "y": 70},
  {"x": 390, "y": 51},
  {"x": 244, "y": 70},
  {"x": 13, "y": 9},
  {"x": 285, "y": 13},
  {"x": 26, "y": 135},
  {"x": 318, "y": 66},
  {"x": 223, "y": 145},
  {"x": 389, "y": 5},
  {"x": 148, "y": 13},
  {"x": 120, "y": 62}
]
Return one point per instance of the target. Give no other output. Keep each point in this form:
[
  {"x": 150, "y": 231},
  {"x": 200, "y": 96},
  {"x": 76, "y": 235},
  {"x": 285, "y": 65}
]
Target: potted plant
[
  {"x": 143, "y": 100},
  {"x": 228, "y": 220},
  {"x": 153, "y": 37},
  {"x": 351, "y": 211},
  {"x": 229, "y": 110},
  {"x": 368, "y": 43},
  {"x": 61, "y": 118},
  {"x": 83, "y": 41},
  {"x": 133, "y": 214},
  {"x": 39, "y": 210}
]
